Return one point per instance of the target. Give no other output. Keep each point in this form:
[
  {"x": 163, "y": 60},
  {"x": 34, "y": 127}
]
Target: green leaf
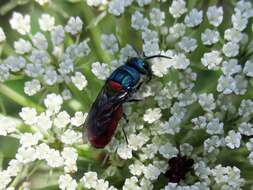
[
  {"x": 95, "y": 21},
  {"x": 8, "y": 146},
  {"x": 53, "y": 187},
  {"x": 73, "y": 1}
]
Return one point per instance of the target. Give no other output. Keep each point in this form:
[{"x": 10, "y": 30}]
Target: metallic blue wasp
[{"x": 119, "y": 88}]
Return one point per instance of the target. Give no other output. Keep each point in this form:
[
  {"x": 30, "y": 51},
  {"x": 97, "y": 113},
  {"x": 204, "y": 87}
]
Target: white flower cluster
[
  {"x": 90, "y": 181},
  {"x": 34, "y": 58},
  {"x": 149, "y": 146},
  {"x": 46, "y": 128}
]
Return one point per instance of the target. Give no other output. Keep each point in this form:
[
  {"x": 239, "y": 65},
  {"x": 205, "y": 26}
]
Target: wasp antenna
[
  {"x": 143, "y": 54},
  {"x": 136, "y": 51},
  {"x": 154, "y": 56}
]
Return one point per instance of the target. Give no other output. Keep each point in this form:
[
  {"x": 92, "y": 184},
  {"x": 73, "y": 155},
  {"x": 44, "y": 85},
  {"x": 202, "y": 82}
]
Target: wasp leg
[
  {"x": 119, "y": 99},
  {"x": 106, "y": 158},
  {"x": 125, "y": 118},
  {"x": 134, "y": 100},
  {"x": 125, "y": 135},
  {"x": 139, "y": 86}
]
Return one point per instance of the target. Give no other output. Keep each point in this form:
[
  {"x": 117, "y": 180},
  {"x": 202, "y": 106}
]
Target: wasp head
[{"x": 141, "y": 65}]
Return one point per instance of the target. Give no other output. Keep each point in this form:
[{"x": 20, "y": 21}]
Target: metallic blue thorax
[{"x": 128, "y": 75}]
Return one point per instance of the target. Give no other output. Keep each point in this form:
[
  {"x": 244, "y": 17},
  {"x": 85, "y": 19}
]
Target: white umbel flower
[
  {"x": 239, "y": 21},
  {"x": 7, "y": 125},
  {"x": 42, "y": 151},
  {"x": 66, "y": 182},
  {"x": 180, "y": 61},
  {"x": 188, "y": 44},
  {"x": 26, "y": 155},
  {"x": 152, "y": 115},
  {"x": 124, "y": 151},
  {"x": 32, "y": 87},
  {"x": 151, "y": 172},
  {"x": 233, "y": 35},
  {"x": 233, "y": 140},
  {"x": 74, "y": 25},
  {"x": 210, "y": 37},
  {"x": 211, "y": 59},
  {"x": 57, "y": 35},
  {"x": 21, "y": 23},
  {"x": 116, "y": 7},
  {"x": 2, "y": 35},
  {"x": 29, "y": 115},
  {"x": 231, "y": 67},
  {"x": 226, "y": 84},
  {"x": 102, "y": 185},
  {"x": 43, "y": 2},
  {"x": 89, "y": 180},
  {"x": 54, "y": 159},
  {"x": 136, "y": 168},
  {"x": 46, "y": 22},
  {"x": 246, "y": 129},
  {"x": 79, "y": 80},
  {"x": 40, "y": 41},
  {"x": 207, "y": 101},
  {"x": 231, "y": 49},
  {"x": 160, "y": 67},
  {"x": 53, "y": 102},
  {"x": 248, "y": 68},
  {"x": 141, "y": 3},
  {"x": 177, "y": 8},
  {"x": 62, "y": 120},
  {"x": 137, "y": 141},
  {"x": 215, "y": 15},
  {"x": 43, "y": 122},
  {"x": 249, "y": 145},
  {"x": 194, "y": 18},
  {"x": 177, "y": 30},
  {"x": 131, "y": 184},
  {"x": 29, "y": 139},
  {"x": 168, "y": 151},
  {"x": 22, "y": 46},
  {"x": 139, "y": 22},
  {"x": 109, "y": 43},
  {"x": 70, "y": 137},
  {"x": 96, "y": 3},
  {"x": 157, "y": 17},
  {"x": 78, "y": 119},
  {"x": 246, "y": 107},
  {"x": 215, "y": 127},
  {"x": 5, "y": 179},
  {"x": 14, "y": 167},
  {"x": 100, "y": 70}
]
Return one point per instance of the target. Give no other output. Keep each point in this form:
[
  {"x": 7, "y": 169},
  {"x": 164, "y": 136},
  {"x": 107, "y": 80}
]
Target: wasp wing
[{"x": 103, "y": 109}]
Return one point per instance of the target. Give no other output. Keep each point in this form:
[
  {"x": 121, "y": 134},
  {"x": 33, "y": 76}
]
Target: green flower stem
[
  {"x": 87, "y": 153},
  {"x": 81, "y": 96},
  {"x": 1, "y": 160},
  {"x": 20, "y": 177},
  {"x": 59, "y": 10},
  {"x": 11, "y": 5},
  {"x": 94, "y": 34},
  {"x": 18, "y": 98},
  {"x": 2, "y": 106},
  {"x": 35, "y": 167}
]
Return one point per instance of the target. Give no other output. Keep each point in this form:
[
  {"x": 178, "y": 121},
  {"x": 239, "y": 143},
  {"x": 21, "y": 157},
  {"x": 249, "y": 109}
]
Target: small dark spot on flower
[{"x": 178, "y": 168}]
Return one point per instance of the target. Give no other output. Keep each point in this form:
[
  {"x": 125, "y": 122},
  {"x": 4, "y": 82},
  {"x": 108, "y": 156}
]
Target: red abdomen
[{"x": 101, "y": 136}]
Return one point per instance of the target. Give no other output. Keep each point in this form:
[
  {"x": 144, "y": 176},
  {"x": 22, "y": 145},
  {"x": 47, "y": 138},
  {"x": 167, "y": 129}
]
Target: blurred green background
[{"x": 96, "y": 22}]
